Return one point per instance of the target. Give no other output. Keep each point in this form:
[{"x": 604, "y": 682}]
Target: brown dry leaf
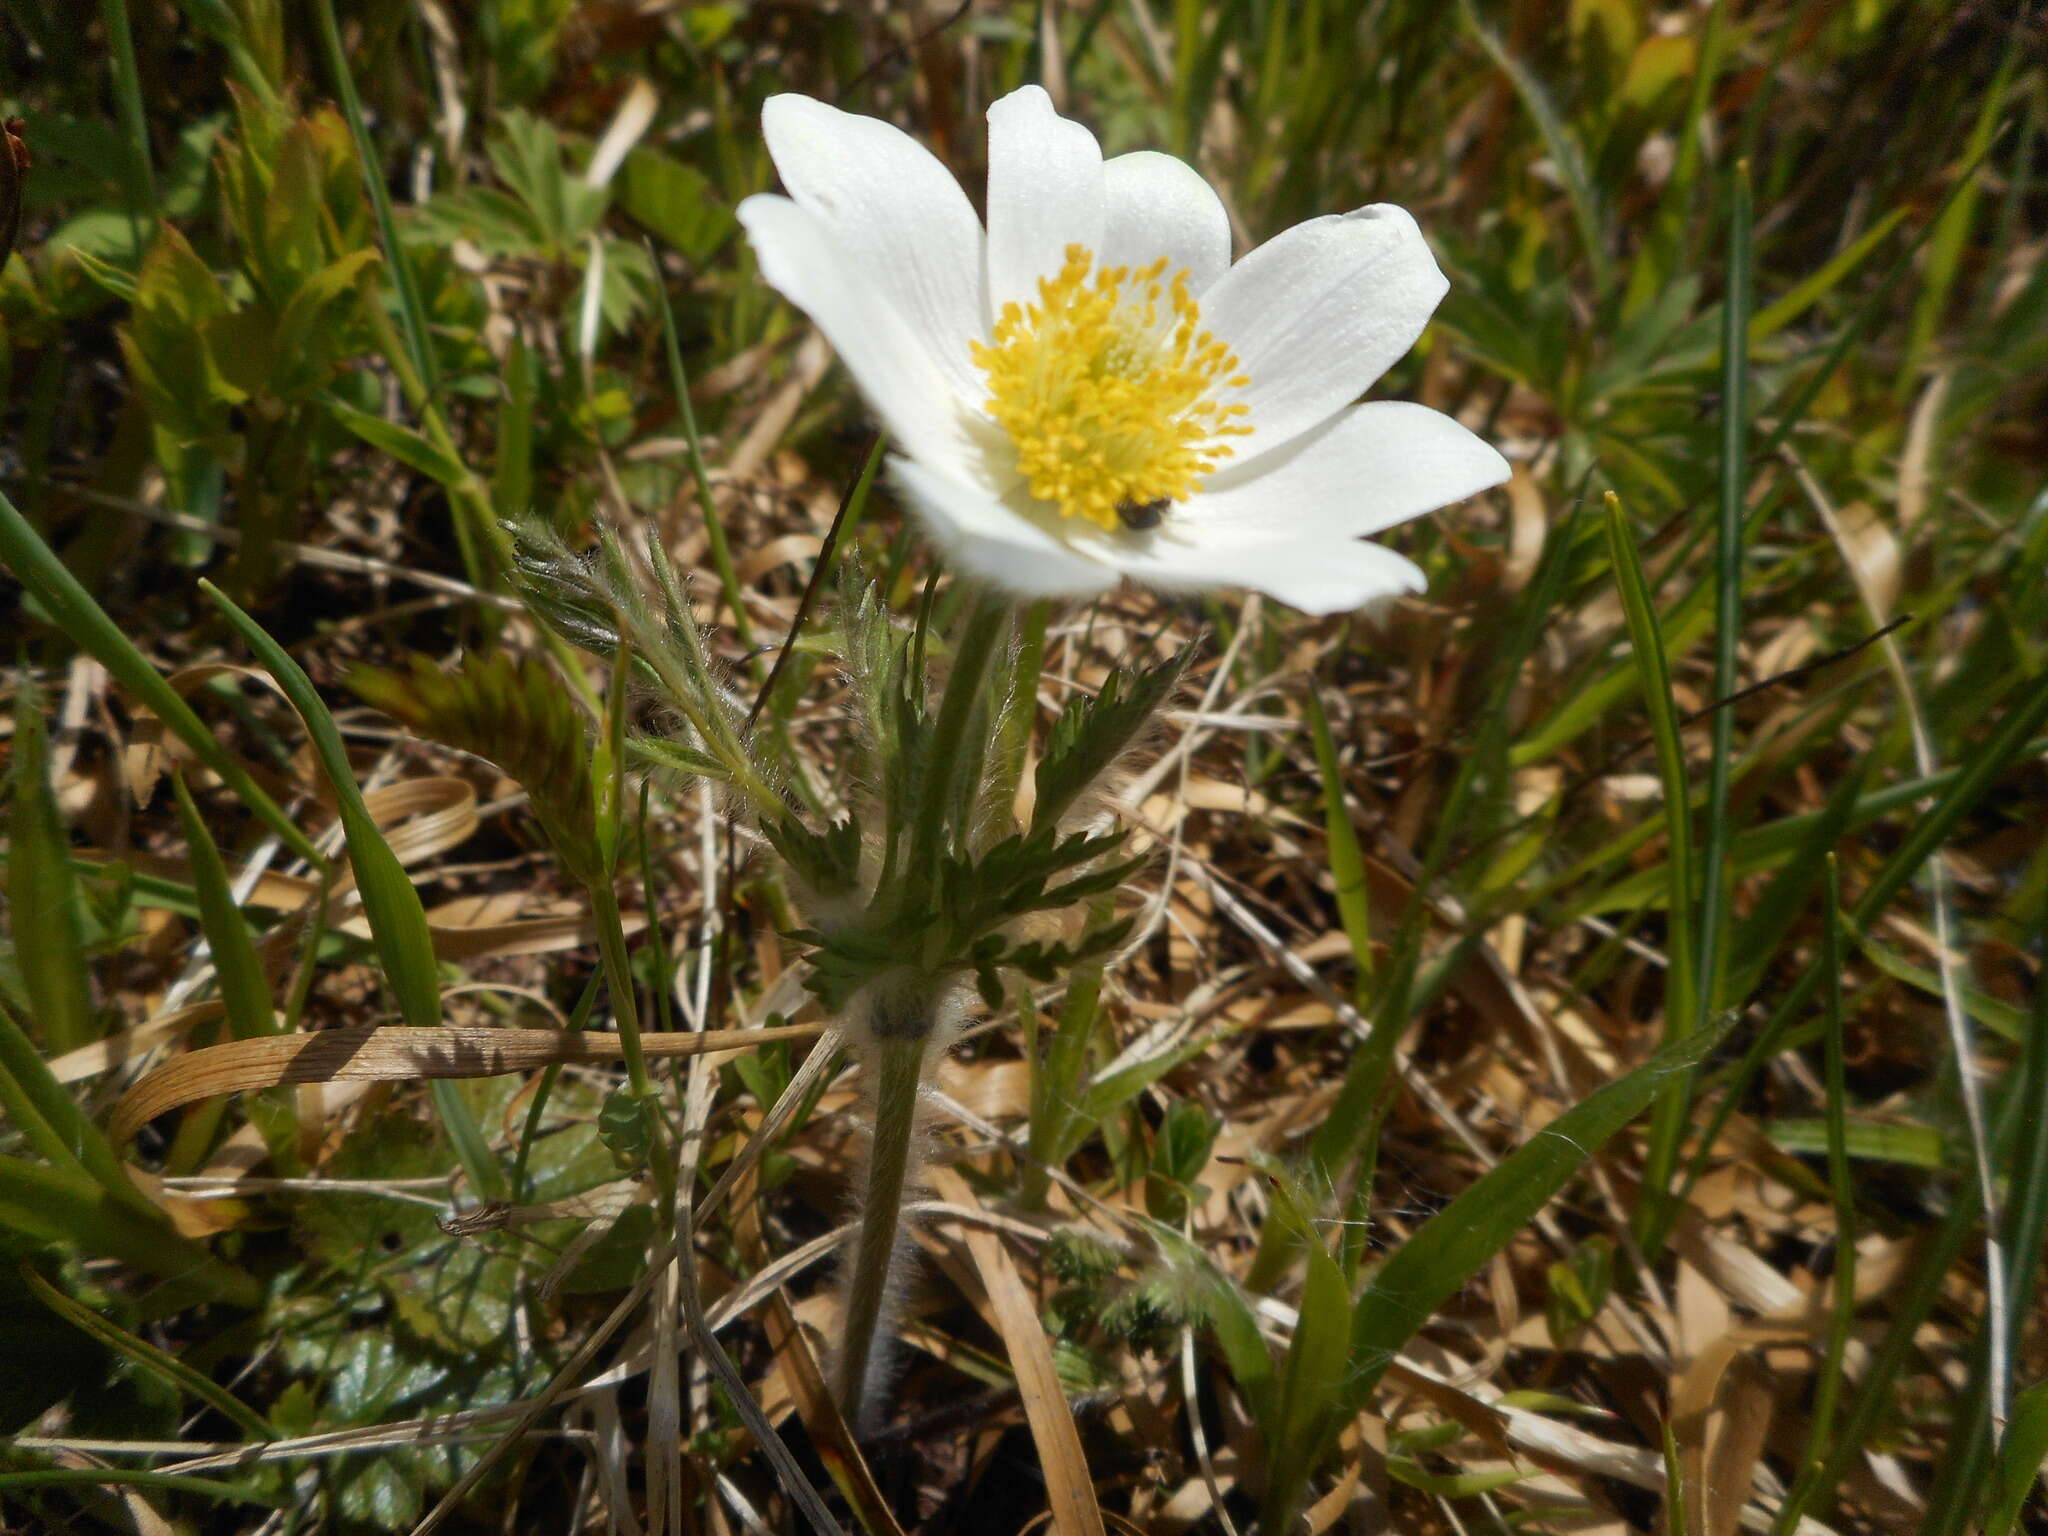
[
  {"x": 1721, "y": 1416},
  {"x": 1068, "y": 1487},
  {"x": 144, "y": 760},
  {"x": 1916, "y": 463},
  {"x": 372, "y": 1053},
  {"x": 423, "y": 817},
  {"x": 122, "y": 1045},
  {"x": 1528, "y": 524},
  {"x": 797, "y": 549}
]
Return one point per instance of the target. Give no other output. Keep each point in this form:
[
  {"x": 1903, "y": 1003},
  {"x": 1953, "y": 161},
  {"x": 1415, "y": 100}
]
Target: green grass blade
[
  {"x": 412, "y": 313},
  {"x": 1565, "y": 151},
  {"x": 2020, "y": 1455},
  {"x": 1841, "y": 1182},
  {"x": 398, "y": 922},
  {"x": 1761, "y": 933},
  {"x": 45, "y": 911},
  {"x": 1970, "y": 1459},
  {"x": 1347, "y": 860},
  {"x": 1987, "y": 763},
  {"x": 1236, "y": 1327},
  {"x": 134, "y": 119},
  {"x": 700, "y": 476},
  {"x": 1788, "y": 408},
  {"x": 1951, "y": 230},
  {"x": 136, "y": 1477},
  {"x": 1681, "y": 1018},
  {"x": 1928, "y": 1277},
  {"x": 244, "y": 991},
  {"x": 67, "y": 1206},
  {"x": 1309, "y": 1386},
  {"x": 1734, "y": 479},
  {"x": 51, "y": 1120},
  {"x": 146, "y": 1355},
  {"x": 1811, "y": 289},
  {"x": 68, "y": 605},
  {"x": 1448, "y": 1249}
]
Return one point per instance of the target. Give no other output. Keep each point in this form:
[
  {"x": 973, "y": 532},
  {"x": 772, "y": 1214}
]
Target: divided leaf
[{"x": 1091, "y": 734}]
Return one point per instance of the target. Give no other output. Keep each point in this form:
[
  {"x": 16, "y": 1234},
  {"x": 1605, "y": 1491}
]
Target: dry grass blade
[
  {"x": 1067, "y": 1483},
  {"x": 399, "y": 1054},
  {"x": 821, "y": 1417}
]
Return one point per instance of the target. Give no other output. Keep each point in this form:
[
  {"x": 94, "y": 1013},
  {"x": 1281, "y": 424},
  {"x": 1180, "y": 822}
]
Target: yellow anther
[{"x": 1111, "y": 392}]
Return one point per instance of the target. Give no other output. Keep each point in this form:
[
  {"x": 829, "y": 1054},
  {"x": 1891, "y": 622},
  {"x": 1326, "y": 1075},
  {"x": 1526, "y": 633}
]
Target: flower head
[{"x": 1090, "y": 389}]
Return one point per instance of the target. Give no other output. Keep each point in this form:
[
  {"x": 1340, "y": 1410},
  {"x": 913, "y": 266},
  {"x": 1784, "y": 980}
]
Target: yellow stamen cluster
[{"x": 1108, "y": 387}]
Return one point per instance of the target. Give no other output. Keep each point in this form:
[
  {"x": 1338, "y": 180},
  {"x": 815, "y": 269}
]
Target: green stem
[
  {"x": 134, "y": 119},
  {"x": 410, "y": 310},
  {"x": 618, "y": 973},
  {"x": 897, "y": 1060}
]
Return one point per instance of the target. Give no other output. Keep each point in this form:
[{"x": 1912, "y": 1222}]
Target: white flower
[{"x": 1092, "y": 390}]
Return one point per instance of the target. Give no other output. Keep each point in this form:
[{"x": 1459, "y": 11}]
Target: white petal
[
  {"x": 1319, "y": 312},
  {"x": 1375, "y": 465},
  {"x": 1044, "y": 194},
  {"x": 900, "y": 378},
  {"x": 1158, "y": 206},
  {"x": 1329, "y": 576},
  {"x": 987, "y": 539},
  {"x": 896, "y": 219}
]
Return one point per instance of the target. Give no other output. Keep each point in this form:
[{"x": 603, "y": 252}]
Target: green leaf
[
  {"x": 312, "y": 327},
  {"x": 1914, "y": 1146},
  {"x": 1236, "y": 1326},
  {"x": 402, "y": 443},
  {"x": 1310, "y": 1388},
  {"x": 674, "y": 200},
  {"x": 398, "y": 922},
  {"x": 244, "y": 989},
  {"x": 65, "y": 1205},
  {"x": 1452, "y": 1246},
  {"x": 1091, "y": 734},
  {"x": 1681, "y": 997},
  {"x": 45, "y": 911}
]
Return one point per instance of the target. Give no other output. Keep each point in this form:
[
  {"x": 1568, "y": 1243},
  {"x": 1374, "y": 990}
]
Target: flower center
[{"x": 1108, "y": 387}]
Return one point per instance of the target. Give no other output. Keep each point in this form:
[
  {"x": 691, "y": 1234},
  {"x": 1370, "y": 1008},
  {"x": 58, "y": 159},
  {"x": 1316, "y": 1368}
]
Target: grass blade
[
  {"x": 69, "y": 606},
  {"x": 45, "y": 910},
  {"x": 1309, "y": 1386},
  {"x": 1828, "y": 1385},
  {"x": 244, "y": 990},
  {"x": 1970, "y": 1458},
  {"x": 2019, "y": 1460},
  {"x": 412, "y": 313},
  {"x": 146, "y": 1356},
  {"x": 1734, "y": 478},
  {"x": 66, "y": 1206},
  {"x": 1681, "y": 1018},
  {"x": 398, "y": 922},
  {"x": 51, "y": 1120},
  {"x": 1449, "y": 1248}
]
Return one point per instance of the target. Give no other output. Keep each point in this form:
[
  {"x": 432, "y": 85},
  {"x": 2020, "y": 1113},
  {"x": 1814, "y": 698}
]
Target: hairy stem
[{"x": 897, "y": 1061}]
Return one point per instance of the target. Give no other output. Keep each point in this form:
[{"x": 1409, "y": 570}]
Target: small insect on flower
[
  {"x": 1090, "y": 389},
  {"x": 1139, "y": 515}
]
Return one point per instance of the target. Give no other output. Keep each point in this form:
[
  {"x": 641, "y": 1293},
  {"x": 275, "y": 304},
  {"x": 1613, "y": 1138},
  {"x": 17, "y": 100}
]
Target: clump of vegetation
[{"x": 563, "y": 967}]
